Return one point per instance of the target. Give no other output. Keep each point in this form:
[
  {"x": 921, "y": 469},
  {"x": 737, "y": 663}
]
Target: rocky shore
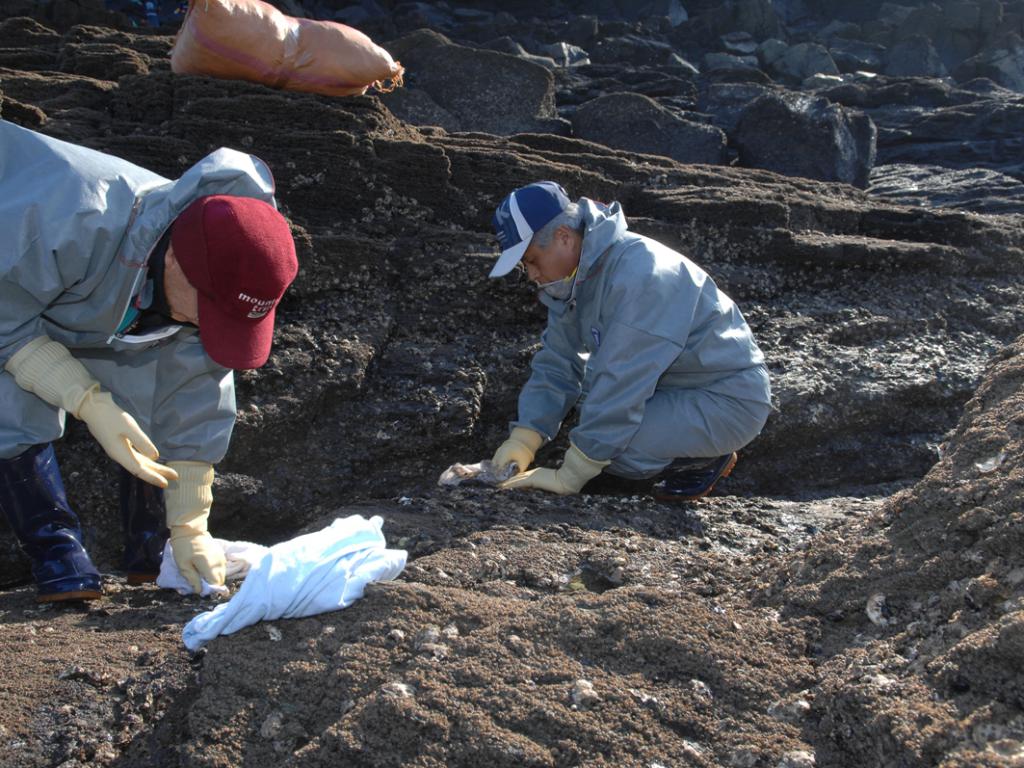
[{"x": 854, "y": 595}]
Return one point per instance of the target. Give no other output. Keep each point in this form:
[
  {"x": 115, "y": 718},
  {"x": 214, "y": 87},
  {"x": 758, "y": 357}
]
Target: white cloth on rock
[
  {"x": 240, "y": 557},
  {"x": 310, "y": 574}
]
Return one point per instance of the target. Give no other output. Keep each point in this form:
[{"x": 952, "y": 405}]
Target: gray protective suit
[
  {"x": 664, "y": 361},
  {"x": 78, "y": 228}
]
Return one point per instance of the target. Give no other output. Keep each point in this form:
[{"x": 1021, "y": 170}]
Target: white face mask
[{"x": 559, "y": 289}]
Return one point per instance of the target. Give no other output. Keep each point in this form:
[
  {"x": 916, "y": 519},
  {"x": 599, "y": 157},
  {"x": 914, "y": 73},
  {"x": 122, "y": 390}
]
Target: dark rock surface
[
  {"x": 636, "y": 123},
  {"x": 801, "y": 136},
  {"x": 535, "y": 630},
  {"x": 973, "y": 189}
]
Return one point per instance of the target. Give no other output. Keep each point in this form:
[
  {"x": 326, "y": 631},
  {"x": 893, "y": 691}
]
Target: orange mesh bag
[{"x": 253, "y": 40}]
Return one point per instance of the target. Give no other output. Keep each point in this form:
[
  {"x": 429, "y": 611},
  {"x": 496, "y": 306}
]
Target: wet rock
[
  {"x": 856, "y": 55},
  {"x": 637, "y": 123},
  {"x": 567, "y": 55},
  {"x": 914, "y": 57},
  {"x": 729, "y": 62},
  {"x": 725, "y": 102},
  {"x": 803, "y": 60},
  {"x": 757, "y": 18},
  {"x": 672, "y": 10},
  {"x": 970, "y": 189},
  {"x": 482, "y": 90},
  {"x": 1002, "y": 63},
  {"x": 630, "y": 49},
  {"x": 791, "y": 134},
  {"x": 508, "y": 45}
]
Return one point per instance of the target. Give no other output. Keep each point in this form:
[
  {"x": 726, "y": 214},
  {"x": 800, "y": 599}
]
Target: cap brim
[
  {"x": 508, "y": 259},
  {"x": 231, "y": 342}
]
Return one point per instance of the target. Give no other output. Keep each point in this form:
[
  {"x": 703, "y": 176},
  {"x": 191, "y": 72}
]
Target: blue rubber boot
[
  {"x": 33, "y": 499},
  {"x": 143, "y": 518},
  {"x": 690, "y": 479}
]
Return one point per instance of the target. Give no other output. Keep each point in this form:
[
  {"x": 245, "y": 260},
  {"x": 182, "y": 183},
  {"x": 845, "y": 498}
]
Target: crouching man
[
  {"x": 665, "y": 372},
  {"x": 126, "y": 300}
]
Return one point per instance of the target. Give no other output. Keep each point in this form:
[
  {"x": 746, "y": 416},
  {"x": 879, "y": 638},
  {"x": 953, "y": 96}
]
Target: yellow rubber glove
[
  {"x": 188, "y": 501},
  {"x": 46, "y": 368},
  {"x": 577, "y": 468},
  {"x": 521, "y": 447}
]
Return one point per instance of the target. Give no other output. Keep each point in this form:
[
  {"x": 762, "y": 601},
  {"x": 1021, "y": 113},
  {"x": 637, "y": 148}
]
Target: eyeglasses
[{"x": 520, "y": 273}]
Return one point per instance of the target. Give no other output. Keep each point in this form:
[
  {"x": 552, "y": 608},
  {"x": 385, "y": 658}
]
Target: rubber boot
[
  {"x": 692, "y": 479},
  {"x": 33, "y": 499},
  {"x": 143, "y": 518}
]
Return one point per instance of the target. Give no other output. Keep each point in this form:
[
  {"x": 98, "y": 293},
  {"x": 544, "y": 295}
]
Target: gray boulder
[
  {"x": 837, "y": 29},
  {"x": 803, "y": 60},
  {"x": 672, "y": 10},
  {"x": 725, "y": 102},
  {"x": 771, "y": 50},
  {"x": 630, "y": 49},
  {"x": 481, "y": 90},
  {"x": 798, "y": 135},
  {"x": 856, "y": 55},
  {"x": 894, "y": 14},
  {"x": 755, "y": 17},
  {"x": 566, "y": 54},
  {"x": 506, "y": 44},
  {"x": 739, "y": 43},
  {"x": 791, "y": 11},
  {"x": 713, "y": 61},
  {"x": 636, "y": 123},
  {"x": 1003, "y": 63},
  {"x": 914, "y": 57},
  {"x": 957, "y": 30}
]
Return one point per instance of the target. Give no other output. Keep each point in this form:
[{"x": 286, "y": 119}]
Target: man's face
[
  {"x": 182, "y": 297},
  {"x": 555, "y": 262}
]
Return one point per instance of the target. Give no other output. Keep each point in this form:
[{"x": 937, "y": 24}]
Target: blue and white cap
[{"x": 520, "y": 215}]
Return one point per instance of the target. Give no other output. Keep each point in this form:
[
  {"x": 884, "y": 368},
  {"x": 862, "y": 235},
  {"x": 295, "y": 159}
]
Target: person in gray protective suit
[
  {"x": 663, "y": 368},
  {"x": 126, "y": 300}
]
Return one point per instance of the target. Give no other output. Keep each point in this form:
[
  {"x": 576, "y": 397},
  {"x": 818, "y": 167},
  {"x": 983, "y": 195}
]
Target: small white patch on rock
[
  {"x": 272, "y": 725},
  {"x": 429, "y": 635},
  {"x": 876, "y": 610},
  {"x": 701, "y": 689},
  {"x": 398, "y": 690},
  {"x": 744, "y": 756},
  {"x": 790, "y": 711},
  {"x": 583, "y": 694},
  {"x": 798, "y": 758}
]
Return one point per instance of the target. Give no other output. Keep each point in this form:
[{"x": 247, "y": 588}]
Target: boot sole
[
  {"x": 64, "y": 597},
  {"x": 725, "y": 473},
  {"x": 137, "y": 579}
]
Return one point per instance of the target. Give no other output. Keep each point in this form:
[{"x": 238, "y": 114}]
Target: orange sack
[{"x": 252, "y": 40}]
